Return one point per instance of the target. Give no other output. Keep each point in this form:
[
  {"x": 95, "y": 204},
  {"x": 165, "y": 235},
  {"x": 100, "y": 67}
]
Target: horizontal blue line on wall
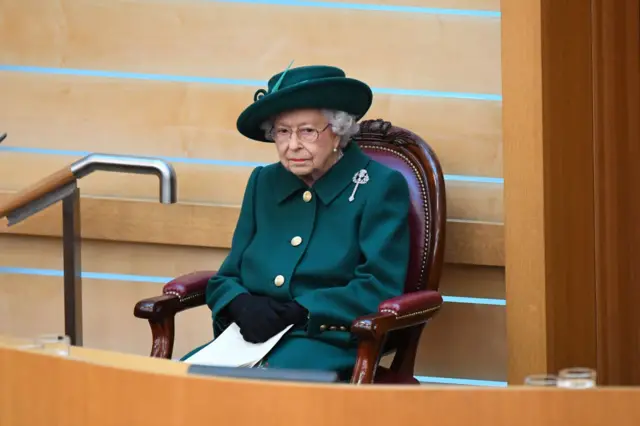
[
  {"x": 212, "y": 162},
  {"x": 371, "y": 7},
  {"x": 164, "y": 280},
  {"x": 475, "y": 300},
  {"x": 88, "y": 275},
  {"x": 228, "y": 81},
  {"x": 464, "y": 382}
]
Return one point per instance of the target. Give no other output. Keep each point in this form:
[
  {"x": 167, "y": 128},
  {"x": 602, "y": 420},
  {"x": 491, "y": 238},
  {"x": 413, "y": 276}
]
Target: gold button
[
  {"x": 307, "y": 196},
  {"x": 323, "y": 327},
  {"x": 332, "y": 328},
  {"x": 279, "y": 281},
  {"x": 296, "y": 241}
]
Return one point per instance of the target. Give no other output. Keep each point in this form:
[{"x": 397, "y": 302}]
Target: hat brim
[{"x": 340, "y": 93}]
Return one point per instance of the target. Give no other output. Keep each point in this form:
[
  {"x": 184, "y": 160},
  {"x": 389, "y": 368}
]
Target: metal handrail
[{"x": 62, "y": 186}]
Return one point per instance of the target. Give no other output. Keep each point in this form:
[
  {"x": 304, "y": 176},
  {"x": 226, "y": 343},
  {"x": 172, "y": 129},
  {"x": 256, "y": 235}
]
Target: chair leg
[
  {"x": 163, "y": 334},
  {"x": 404, "y": 360},
  {"x": 369, "y": 354}
]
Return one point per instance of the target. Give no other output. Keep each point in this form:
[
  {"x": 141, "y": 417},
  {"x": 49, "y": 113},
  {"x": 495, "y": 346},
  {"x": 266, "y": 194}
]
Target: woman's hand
[
  {"x": 290, "y": 312},
  {"x": 256, "y": 317}
]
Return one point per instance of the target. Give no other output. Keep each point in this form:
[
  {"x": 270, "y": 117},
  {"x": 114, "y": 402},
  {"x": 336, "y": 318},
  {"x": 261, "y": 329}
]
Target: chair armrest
[
  {"x": 417, "y": 303},
  {"x": 400, "y": 312},
  {"x": 189, "y": 285},
  {"x": 184, "y": 292}
]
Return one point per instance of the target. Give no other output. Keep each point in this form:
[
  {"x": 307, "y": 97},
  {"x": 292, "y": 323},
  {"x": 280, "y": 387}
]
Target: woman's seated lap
[{"x": 323, "y": 235}]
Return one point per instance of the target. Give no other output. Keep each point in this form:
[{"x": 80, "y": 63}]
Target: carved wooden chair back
[{"x": 408, "y": 153}]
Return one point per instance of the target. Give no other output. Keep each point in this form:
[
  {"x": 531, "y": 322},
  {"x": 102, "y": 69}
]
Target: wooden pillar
[
  {"x": 616, "y": 58},
  {"x": 570, "y": 89}
]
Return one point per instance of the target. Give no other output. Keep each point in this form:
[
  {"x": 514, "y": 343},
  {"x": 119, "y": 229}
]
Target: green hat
[{"x": 316, "y": 86}]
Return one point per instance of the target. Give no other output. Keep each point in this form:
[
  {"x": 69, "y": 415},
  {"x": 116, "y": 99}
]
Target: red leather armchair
[{"x": 399, "y": 322}]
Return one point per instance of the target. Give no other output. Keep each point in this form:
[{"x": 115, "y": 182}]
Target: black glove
[
  {"x": 291, "y": 312},
  {"x": 256, "y": 317}
]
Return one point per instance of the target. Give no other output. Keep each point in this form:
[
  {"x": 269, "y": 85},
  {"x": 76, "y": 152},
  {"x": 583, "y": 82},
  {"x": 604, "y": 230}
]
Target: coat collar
[{"x": 331, "y": 184}]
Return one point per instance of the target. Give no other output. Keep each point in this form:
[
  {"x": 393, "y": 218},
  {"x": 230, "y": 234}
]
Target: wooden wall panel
[
  {"x": 197, "y": 120},
  {"x": 165, "y": 260},
  {"x": 549, "y": 186},
  {"x": 224, "y": 185},
  {"x": 464, "y": 341},
  {"x": 111, "y": 257},
  {"x": 213, "y": 225},
  {"x": 102, "y": 35},
  {"x": 616, "y": 35},
  {"x": 33, "y": 305},
  {"x": 473, "y": 281},
  {"x": 489, "y": 5}
]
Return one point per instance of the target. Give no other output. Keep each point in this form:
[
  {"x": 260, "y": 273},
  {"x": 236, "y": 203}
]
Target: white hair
[{"x": 343, "y": 124}]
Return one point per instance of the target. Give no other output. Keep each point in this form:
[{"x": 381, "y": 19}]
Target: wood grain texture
[
  {"x": 525, "y": 267},
  {"x": 465, "y": 341},
  {"x": 123, "y": 258},
  {"x": 473, "y": 281},
  {"x": 548, "y": 154},
  {"x": 142, "y": 117},
  {"x": 215, "y": 184},
  {"x": 477, "y": 350},
  {"x": 204, "y": 38},
  {"x": 114, "y": 382},
  {"x": 493, "y": 5},
  {"x": 202, "y": 225},
  {"x": 37, "y": 190},
  {"x": 569, "y": 184},
  {"x": 616, "y": 35},
  {"x": 475, "y": 243},
  {"x": 164, "y": 260}
]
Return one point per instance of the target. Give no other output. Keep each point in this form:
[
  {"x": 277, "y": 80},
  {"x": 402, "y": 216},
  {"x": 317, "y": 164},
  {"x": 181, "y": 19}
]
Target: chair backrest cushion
[{"x": 404, "y": 151}]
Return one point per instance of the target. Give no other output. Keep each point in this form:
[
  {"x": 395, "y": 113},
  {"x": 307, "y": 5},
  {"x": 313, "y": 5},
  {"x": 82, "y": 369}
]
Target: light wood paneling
[
  {"x": 213, "y": 225},
  {"x": 475, "y": 243},
  {"x": 204, "y": 38},
  {"x": 464, "y": 341},
  {"x": 111, "y": 257},
  {"x": 473, "y": 281},
  {"x": 214, "y": 184},
  {"x": 475, "y": 201},
  {"x": 169, "y": 261},
  {"x": 145, "y": 117},
  {"x": 524, "y": 189},
  {"x": 196, "y": 183},
  {"x": 493, "y": 5},
  {"x": 33, "y": 305},
  {"x": 126, "y": 389},
  {"x": 549, "y": 185}
]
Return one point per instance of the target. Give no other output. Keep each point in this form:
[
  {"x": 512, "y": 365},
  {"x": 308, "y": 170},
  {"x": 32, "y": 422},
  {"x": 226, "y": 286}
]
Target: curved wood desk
[{"x": 101, "y": 388}]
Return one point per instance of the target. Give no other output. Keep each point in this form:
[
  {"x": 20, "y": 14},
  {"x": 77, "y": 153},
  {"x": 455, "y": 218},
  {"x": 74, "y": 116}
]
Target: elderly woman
[{"x": 323, "y": 234}]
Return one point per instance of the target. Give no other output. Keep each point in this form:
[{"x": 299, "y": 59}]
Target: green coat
[{"x": 337, "y": 258}]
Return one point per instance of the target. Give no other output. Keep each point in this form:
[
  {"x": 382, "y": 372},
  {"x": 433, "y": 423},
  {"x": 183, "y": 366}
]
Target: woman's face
[{"x": 305, "y": 143}]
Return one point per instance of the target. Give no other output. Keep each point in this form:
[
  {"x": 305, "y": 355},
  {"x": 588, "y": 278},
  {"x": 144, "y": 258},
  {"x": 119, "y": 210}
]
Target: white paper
[{"x": 231, "y": 350}]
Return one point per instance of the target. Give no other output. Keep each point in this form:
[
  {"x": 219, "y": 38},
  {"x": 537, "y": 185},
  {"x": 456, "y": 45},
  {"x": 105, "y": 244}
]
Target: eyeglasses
[{"x": 305, "y": 134}]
